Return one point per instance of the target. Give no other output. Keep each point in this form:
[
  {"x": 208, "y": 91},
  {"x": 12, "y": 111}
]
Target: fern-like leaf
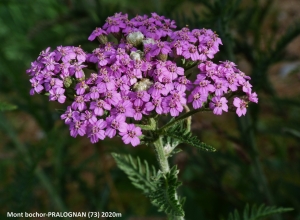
[
  {"x": 138, "y": 172},
  {"x": 165, "y": 197},
  {"x": 179, "y": 133},
  {"x": 255, "y": 212}
]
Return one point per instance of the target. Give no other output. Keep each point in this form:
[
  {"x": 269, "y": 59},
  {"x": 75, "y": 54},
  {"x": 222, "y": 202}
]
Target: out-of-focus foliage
[{"x": 257, "y": 160}]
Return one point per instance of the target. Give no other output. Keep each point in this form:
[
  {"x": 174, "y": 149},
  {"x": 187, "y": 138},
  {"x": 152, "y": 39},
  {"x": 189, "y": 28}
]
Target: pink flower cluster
[{"x": 140, "y": 76}]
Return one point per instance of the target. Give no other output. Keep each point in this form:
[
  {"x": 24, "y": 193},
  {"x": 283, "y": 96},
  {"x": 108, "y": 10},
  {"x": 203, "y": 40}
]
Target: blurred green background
[{"x": 43, "y": 169}]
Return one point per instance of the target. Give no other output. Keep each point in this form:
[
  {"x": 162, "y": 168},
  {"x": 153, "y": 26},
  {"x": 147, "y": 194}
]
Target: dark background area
[{"x": 43, "y": 169}]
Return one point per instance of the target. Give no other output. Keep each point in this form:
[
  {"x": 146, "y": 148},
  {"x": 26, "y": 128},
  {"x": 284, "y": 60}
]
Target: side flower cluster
[{"x": 141, "y": 76}]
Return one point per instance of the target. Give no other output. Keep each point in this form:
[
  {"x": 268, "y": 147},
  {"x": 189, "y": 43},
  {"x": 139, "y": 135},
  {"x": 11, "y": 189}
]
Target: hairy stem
[
  {"x": 163, "y": 163},
  {"x": 160, "y": 155}
]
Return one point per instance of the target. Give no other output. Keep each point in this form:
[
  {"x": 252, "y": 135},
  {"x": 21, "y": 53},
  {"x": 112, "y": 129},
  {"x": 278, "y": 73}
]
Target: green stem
[
  {"x": 163, "y": 163},
  {"x": 161, "y": 156}
]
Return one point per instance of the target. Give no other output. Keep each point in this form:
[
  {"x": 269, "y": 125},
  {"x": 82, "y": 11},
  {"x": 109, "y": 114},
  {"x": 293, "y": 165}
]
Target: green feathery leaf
[
  {"x": 165, "y": 197},
  {"x": 181, "y": 134},
  {"x": 255, "y": 213},
  {"x": 138, "y": 172}
]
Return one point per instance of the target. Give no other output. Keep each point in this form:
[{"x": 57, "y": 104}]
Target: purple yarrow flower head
[
  {"x": 204, "y": 86},
  {"x": 178, "y": 46},
  {"x": 115, "y": 124},
  {"x": 123, "y": 108},
  {"x": 130, "y": 27},
  {"x": 157, "y": 89},
  {"x": 139, "y": 110},
  {"x": 57, "y": 94},
  {"x": 139, "y": 19},
  {"x": 197, "y": 99},
  {"x": 95, "y": 92},
  {"x": 241, "y": 77},
  {"x": 185, "y": 35},
  {"x": 232, "y": 82},
  {"x": 76, "y": 70},
  {"x": 95, "y": 131},
  {"x": 253, "y": 97},
  {"x": 161, "y": 47},
  {"x": 183, "y": 84},
  {"x": 70, "y": 115},
  {"x": 122, "y": 83},
  {"x": 241, "y": 106},
  {"x": 45, "y": 75},
  {"x": 45, "y": 52},
  {"x": 166, "y": 29},
  {"x": 152, "y": 32},
  {"x": 205, "y": 53},
  {"x": 116, "y": 70},
  {"x": 79, "y": 103},
  {"x": 106, "y": 83},
  {"x": 77, "y": 127},
  {"x": 63, "y": 69},
  {"x": 53, "y": 83},
  {"x": 80, "y": 54},
  {"x": 178, "y": 96},
  {"x": 156, "y": 19},
  {"x": 97, "y": 32},
  {"x": 99, "y": 56},
  {"x": 81, "y": 87},
  {"x": 99, "y": 106},
  {"x": 155, "y": 103},
  {"x": 112, "y": 97},
  {"x": 207, "y": 65},
  {"x": 218, "y": 104},
  {"x": 139, "y": 98},
  {"x": 171, "y": 106},
  {"x": 247, "y": 87},
  {"x": 190, "y": 52},
  {"x": 134, "y": 80},
  {"x": 173, "y": 70},
  {"x": 65, "y": 54},
  {"x": 92, "y": 79},
  {"x": 130, "y": 134},
  {"x": 88, "y": 116},
  {"x": 49, "y": 63},
  {"x": 114, "y": 25},
  {"x": 221, "y": 87},
  {"x": 36, "y": 86}
]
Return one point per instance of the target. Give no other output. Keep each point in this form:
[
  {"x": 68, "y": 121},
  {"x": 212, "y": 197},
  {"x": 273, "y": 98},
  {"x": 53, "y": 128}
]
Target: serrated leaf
[
  {"x": 165, "y": 196},
  {"x": 138, "y": 172},
  {"x": 179, "y": 133},
  {"x": 255, "y": 213},
  {"x": 6, "y": 106}
]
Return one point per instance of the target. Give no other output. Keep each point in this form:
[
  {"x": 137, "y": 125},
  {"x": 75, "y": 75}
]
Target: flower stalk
[{"x": 163, "y": 163}]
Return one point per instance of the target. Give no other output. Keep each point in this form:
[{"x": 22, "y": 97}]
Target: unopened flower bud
[
  {"x": 135, "y": 38},
  {"x": 162, "y": 57},
  {"x": 102, "y": 39},
  {"x": 142, "y": 85},
  {"x": 148, "y": 41},
  {"x": 67, "y": 82},
  {"x": 136, "y": 55}
]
